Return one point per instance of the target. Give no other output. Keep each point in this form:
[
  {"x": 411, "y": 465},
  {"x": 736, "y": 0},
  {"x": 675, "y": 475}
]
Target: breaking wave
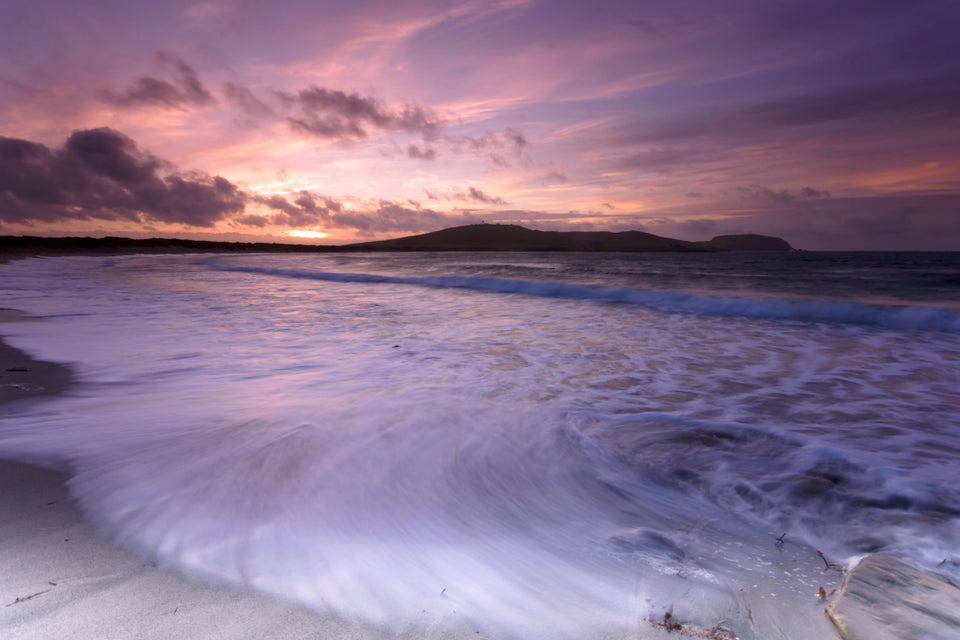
[{"x": 898, "y": 317}]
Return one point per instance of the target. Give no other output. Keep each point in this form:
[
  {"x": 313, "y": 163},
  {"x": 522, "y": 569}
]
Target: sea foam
[{"x": 444, "y": 457}]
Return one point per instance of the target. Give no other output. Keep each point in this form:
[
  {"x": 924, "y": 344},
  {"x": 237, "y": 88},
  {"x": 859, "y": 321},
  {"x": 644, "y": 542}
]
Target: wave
[{"x": 885, "y": 316}]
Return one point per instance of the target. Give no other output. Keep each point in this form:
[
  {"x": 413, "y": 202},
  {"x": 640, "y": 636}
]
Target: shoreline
[
  {"x": 60, "y": 578},
  {"x": 23, "y": 377}
]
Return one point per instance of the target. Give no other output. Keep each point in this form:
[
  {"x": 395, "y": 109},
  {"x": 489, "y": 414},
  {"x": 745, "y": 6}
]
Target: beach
[
  {"x": 60, "y": 578},
  {"x": 365, "y": 446}
]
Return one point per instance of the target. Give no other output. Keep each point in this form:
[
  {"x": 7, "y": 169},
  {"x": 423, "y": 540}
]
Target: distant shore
[{"x": 477, "y": 237}]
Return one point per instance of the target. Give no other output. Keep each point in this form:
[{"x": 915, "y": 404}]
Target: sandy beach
[
  {"x": 62, "y": 578},
  {"x": 59, "y": 578}
]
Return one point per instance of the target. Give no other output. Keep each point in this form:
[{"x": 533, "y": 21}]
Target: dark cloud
[
  {"x": 101, "y": 174},
  {"x": 334, "y": 114},
  {"x": 426, "y": 153},
  {"x": 184, "y": 90},
  {"x": 781, "y": 196},
  {"x": 479, "y": 196},
  {"x": 607, "y": 205}
]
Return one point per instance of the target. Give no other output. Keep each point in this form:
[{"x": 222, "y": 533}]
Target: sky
[{"x": 833, "y": 124}]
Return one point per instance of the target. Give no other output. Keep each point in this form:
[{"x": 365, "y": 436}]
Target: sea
[{"x": 507, "y": 445}]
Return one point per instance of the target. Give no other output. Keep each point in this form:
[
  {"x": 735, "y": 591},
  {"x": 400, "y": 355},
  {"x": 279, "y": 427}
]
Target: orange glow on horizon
[{"x": 307, "y": 233}]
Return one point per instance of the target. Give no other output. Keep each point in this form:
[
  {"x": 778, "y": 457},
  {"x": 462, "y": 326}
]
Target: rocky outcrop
[{"x": 883, "y": 598}]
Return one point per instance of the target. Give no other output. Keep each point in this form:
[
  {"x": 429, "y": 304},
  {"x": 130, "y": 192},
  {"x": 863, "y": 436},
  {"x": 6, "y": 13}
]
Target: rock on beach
[{"x": 883, "y": 598}]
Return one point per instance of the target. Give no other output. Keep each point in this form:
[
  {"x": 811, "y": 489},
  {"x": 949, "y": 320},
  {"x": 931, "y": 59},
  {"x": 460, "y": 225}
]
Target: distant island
[
  {"x": 511, "y": 237},
  {"x": 474, "y": 237}
]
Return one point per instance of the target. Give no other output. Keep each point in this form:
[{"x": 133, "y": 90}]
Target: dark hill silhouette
[
  {"x": 511, "y": 237},
  {"x": 474, "y": 237}
]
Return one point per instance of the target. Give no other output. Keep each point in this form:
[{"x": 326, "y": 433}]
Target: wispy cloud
[
  {"x": 779, "y": 196},
  {"x": 470, "y": 194},
  {"x": 421, "y": 153},
  {"x": 184, "y": 90},
  {"x": 335, "y": 114},
  {"x": 479, "y": 196},
  {"x": 247, "y": 101}
]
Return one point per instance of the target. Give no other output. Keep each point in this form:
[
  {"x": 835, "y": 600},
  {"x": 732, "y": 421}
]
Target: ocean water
[{"x": 515, "y": 445}]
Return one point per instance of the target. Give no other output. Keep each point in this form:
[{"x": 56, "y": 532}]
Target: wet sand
[{"x": 60, "y": 578}]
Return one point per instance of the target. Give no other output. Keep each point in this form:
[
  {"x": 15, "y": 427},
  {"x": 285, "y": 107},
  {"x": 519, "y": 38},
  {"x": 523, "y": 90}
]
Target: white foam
[{"x": 540, "y": 467}]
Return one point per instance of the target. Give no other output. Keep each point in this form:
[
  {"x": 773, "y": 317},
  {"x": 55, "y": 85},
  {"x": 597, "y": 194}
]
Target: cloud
[
  {"x": 334, "y": 114},
  {"x": 509, "y": 139},
  {"x": 390, "y": 216},
  {"x": 306, "y": 210},
  {"x": 426, "y": 153},
  {"x": 493, "y": 144},
  {"x": 518, "y": 139},
  {"x": 244, "y": 98},
  {"x": 779, "y": 197},
  {"x": 810, "y": 192},
  {"x": 184, "y": 90},
  {"x": 471, "y": 194},
  {"x": 476, "y": 194},
  {"x": 102, "y": 174},
  {"x": 553, "y": 177}
]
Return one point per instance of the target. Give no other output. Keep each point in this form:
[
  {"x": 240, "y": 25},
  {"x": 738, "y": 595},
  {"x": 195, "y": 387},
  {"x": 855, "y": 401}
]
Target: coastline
[
  {"x": 21, "y": 376},
  {"x": 60, "y": 578}
]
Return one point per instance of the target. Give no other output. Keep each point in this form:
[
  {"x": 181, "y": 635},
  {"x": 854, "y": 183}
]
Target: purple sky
[{"x": 834, "y": 124}]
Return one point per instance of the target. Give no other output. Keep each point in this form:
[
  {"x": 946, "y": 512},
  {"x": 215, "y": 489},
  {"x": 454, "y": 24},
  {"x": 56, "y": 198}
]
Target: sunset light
[
  {"x": 480, "y": 319},
  {"x": 231, "y": 118},
  {"x": 307, "y": 233}
]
